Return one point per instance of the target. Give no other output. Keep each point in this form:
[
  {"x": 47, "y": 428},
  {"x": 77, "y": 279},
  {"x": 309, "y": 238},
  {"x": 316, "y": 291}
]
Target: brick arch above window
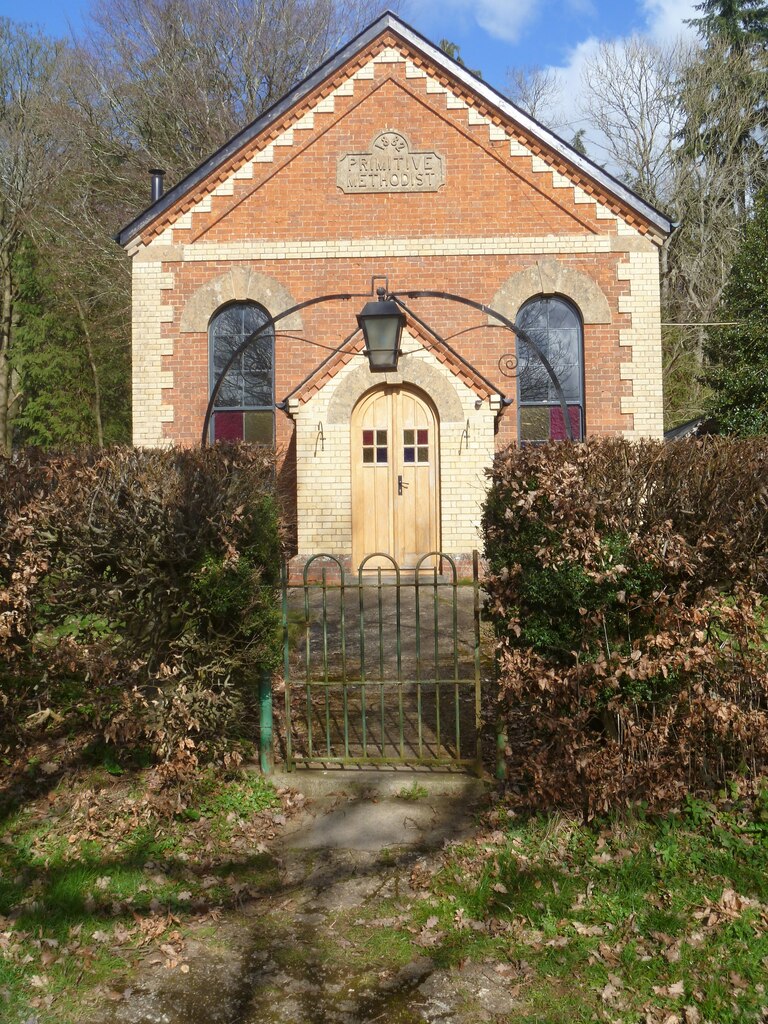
[
  {"x": 551, "y": 277},
  {"x": 240, "y": 284}
]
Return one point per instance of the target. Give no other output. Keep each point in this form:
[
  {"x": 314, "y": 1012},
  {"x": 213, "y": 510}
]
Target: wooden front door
[{"x": 395, "y": 477}]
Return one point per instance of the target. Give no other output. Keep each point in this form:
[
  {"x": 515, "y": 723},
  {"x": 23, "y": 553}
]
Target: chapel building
[{"x": 392, "y": 165}]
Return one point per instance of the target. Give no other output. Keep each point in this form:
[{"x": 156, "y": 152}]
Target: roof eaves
[
  {"x": 271, "y": 114},
  {"x": 390, "y": 21}
]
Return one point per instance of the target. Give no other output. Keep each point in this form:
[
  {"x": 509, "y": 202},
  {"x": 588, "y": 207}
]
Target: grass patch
[
  {"x": 81, "y": 898},
  {"x": 413, "y": 792},
  {"x": 637, "y": 919}
]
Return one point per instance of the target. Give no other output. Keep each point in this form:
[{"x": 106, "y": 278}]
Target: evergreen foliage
[
  {"x": 57, "y": 401},
  {"x": 740, "y": 22},
  {"x": 739, "y": 375}
]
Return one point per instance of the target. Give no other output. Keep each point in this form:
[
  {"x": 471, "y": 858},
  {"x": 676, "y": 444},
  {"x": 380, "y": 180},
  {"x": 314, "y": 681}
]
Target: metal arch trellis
[
  {"x": 519, "y": 333},
  {"x": 236, "y": 353}
]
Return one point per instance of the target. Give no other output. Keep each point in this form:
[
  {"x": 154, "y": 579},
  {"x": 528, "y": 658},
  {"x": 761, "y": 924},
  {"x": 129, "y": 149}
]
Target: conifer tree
[
  {"x": 739, "y": 354},
  {"x": 740, "y": 23}
]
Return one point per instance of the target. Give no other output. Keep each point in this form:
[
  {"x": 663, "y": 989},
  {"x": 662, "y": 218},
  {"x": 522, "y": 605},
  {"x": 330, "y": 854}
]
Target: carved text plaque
[{"x": 390, "y": 166}]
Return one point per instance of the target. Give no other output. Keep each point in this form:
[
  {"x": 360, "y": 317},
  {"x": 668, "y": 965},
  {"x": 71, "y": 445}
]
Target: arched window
[
  {"x": 555, "y": 326},
  {"x": 244, "y": 409}
]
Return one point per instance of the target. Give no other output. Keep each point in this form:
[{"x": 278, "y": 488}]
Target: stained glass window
[
  {"x": 555, "y": 326},
  {"x": 244, "y": 407},
  {"x": 375, "y": 447},
  {"x": 415, "y": 446}
]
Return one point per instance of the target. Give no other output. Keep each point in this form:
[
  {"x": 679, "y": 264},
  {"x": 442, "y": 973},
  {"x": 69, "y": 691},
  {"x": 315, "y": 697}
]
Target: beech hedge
[
  {"x": 627, "y": 584},
  {"x": 138, "y": 594}
]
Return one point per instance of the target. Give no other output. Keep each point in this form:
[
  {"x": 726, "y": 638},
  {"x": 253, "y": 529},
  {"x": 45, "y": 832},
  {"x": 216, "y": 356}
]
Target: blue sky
[{"x": 492, "y": 34}]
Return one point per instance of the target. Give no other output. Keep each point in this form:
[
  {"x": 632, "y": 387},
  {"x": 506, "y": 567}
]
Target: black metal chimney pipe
[{"x": 157, "y": 184}]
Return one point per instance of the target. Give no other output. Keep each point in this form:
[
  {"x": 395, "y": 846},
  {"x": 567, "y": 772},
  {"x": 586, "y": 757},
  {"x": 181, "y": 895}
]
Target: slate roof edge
[{"x": 390, "y": 21}]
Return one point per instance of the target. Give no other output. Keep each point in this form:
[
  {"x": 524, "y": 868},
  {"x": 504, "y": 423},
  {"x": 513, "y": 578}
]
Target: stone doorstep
[{"x": 383, "y": 783}]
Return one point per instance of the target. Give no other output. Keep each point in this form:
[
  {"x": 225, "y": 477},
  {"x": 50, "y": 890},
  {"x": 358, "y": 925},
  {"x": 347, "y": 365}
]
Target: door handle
[{"x": 400, "y": 485}]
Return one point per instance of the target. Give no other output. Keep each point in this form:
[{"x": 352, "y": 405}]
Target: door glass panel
[
  {"x": 375, "y": 453},
  {"x": 418, "y": 451}
]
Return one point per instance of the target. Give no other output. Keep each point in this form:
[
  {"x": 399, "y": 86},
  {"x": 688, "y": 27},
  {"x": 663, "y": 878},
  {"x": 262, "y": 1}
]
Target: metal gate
[{"x": 382, "y": 668}]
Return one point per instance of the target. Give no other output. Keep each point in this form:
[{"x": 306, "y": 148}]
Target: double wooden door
[{"x": 395, "y": 477}]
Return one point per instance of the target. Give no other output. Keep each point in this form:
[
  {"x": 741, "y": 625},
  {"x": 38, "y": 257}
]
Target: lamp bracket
[{"x": 379, "y": 277}]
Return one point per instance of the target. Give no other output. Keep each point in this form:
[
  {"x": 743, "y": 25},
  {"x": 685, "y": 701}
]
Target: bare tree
[
  {"x": 539, "y": 92},
  {"x": 631, "y": 98},
  {"x": 719, "y": 165},
  {"x": 174, "y": 79},
  {"x": 33, "y": 154},
  {"x": 682, "y": 126}
]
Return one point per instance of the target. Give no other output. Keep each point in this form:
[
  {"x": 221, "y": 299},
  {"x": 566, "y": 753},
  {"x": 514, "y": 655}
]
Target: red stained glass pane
[
  {"x": 228, "y": 426},
  {"x": 423, "y": 437},
  {"x": 557, "y": 425},
  {"x": 367, "y": 437}
]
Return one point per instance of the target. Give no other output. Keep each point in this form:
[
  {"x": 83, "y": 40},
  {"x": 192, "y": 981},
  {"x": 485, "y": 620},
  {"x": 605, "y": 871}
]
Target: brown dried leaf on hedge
[
  {"x": 146, "y": 578},
  {"x": 628, "y": 587}
]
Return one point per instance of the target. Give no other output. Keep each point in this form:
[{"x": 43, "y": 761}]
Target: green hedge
[
  {"x": 138, "y": 593},
  {"x": 627, "y": 585}
]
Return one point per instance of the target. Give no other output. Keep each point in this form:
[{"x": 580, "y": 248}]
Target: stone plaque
[{"x": 390, "y": 166}]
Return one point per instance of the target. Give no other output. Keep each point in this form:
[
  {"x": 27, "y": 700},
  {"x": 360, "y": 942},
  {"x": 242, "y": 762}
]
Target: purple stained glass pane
[
  {"x": 228, "y": 426},
  {"x": 381, "y": 455},
  {"x": 557, "y": 424},
  {"x": 367, "y": 437},
  {"x": 422, "y": 437},
  {"x": 409, "y": 455}
]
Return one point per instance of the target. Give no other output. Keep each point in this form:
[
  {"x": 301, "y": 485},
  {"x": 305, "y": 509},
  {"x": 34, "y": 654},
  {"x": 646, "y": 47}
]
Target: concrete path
[{"x": 331, "y": 946}]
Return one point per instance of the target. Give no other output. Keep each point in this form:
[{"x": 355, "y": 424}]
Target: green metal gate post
[
  {"x": 502, "y": 737},
  {"x": 478, "y": 681},
  {"x": 266, "y": 751}
]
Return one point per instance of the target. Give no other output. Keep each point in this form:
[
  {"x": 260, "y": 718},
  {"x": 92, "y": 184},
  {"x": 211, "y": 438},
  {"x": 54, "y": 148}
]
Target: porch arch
[{"x": 414, "y": 371}]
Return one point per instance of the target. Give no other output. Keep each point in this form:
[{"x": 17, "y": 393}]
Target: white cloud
[
  {"x": 504, "y": 19},
  {"x": 665, "y": 19},
  {"x": 585, "y": 7},
  {"x": 501, "y": 19},
  {"x": 664, "y": 23}
]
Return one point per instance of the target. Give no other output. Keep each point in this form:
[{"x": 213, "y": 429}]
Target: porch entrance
[
  {"x": 395, "y": 477},
  {"x": 383, "y": 667}
]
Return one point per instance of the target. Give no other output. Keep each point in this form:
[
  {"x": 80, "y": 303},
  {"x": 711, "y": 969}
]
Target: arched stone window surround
[
  {"x": 549, "y": 277},
  {"x": 240, "y": 284},
  {"x": 539, "y": 414},
  {"x": 245, "y": 405}
]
